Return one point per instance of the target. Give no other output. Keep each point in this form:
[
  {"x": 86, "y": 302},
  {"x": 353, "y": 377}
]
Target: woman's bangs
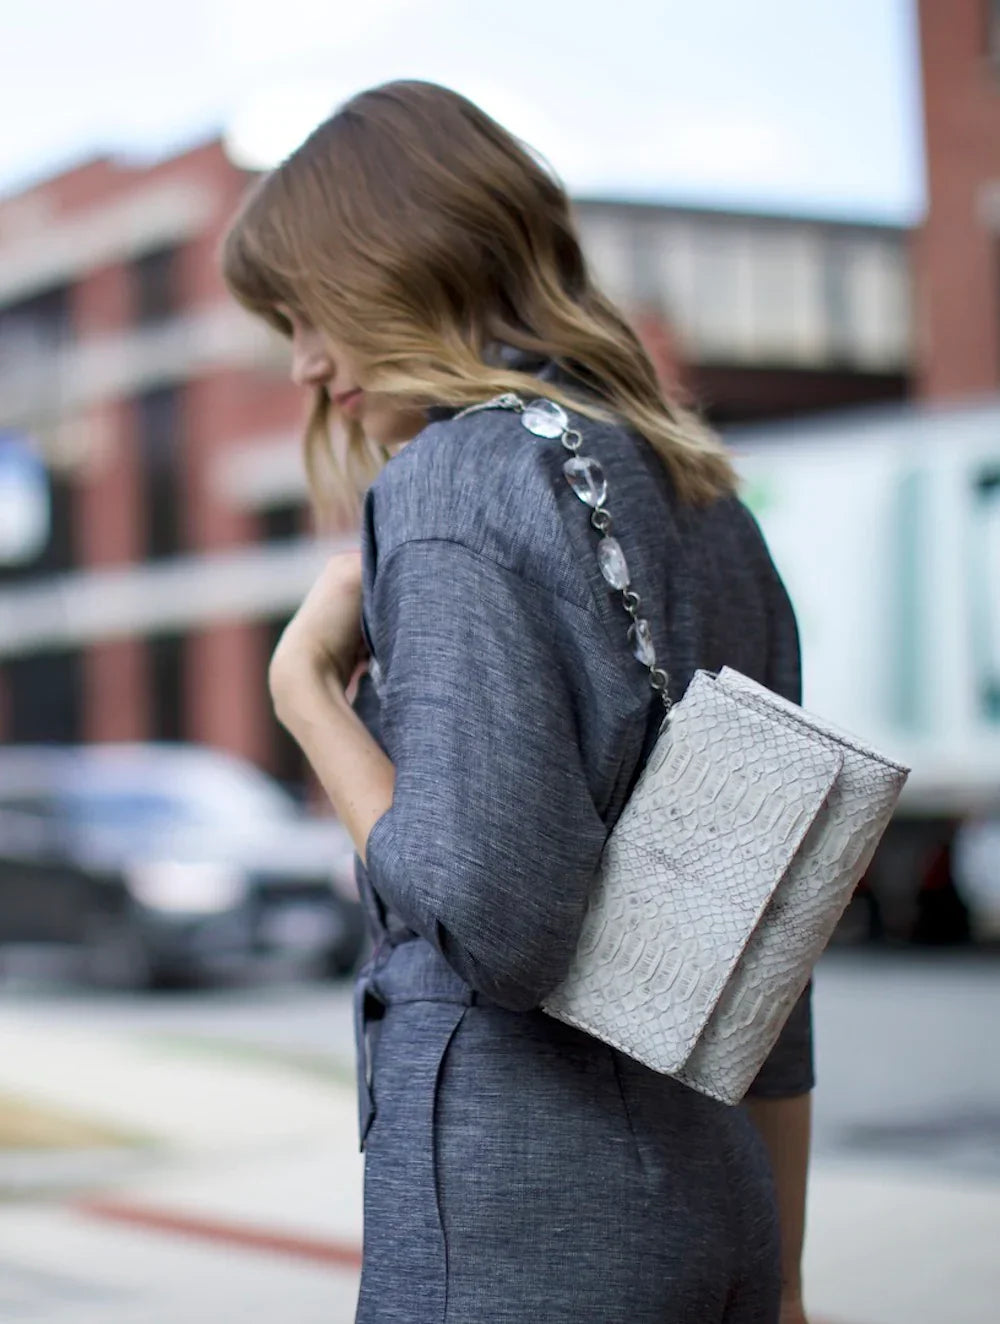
[{"x": 255, "y": 273}]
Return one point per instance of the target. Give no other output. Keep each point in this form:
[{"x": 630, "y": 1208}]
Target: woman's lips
[{"x": 349, "y": 400}]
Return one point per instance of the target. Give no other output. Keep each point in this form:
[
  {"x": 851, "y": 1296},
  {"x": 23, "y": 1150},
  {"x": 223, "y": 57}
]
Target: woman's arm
[
  {"x": 356, "y": 775},
  {"x": 310, "y": 676},
  {"x": 779, "y": 1102},
  {"x": 492, "y": 837},
  {"x": 785, "y": 1125},
  {"x": 477, "y": 825}
]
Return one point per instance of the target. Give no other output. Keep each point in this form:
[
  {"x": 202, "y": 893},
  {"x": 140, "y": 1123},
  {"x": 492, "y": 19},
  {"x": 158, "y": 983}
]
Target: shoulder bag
[{"x": 734, "y": 857}]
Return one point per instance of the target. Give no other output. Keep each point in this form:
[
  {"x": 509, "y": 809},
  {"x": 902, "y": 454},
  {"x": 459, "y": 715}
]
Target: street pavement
[{"x": 236, "y": 1193}]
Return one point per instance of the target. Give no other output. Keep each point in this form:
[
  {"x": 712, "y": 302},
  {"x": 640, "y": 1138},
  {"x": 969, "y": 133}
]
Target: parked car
[
  {"x": 164, "y": 863},
  {"x": 976, "y": 864}
]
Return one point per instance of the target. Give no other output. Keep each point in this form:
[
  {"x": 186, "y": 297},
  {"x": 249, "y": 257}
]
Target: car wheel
[{"x": 115, "y": 955}]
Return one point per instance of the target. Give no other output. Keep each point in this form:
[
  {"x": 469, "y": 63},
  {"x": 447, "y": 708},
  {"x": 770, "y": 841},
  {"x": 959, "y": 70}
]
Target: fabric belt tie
[{"x": 408, "y": 972}]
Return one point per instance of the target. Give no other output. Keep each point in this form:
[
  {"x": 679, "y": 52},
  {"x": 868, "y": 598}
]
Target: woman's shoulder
[{"x": 487, "y": 483}]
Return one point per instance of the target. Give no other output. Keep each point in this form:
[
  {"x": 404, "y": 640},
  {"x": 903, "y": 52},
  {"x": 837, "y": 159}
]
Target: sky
[{"x": 795, "y": 106}]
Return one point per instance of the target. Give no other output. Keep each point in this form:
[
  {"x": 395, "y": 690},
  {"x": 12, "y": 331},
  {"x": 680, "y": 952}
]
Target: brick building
[
  {"x": 177, "y": 543},
  {"x": 958, "y": 247},
  {"x": 124, "y": 363}
]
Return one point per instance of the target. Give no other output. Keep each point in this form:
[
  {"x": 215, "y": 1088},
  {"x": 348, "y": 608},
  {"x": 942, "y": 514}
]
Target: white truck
[{"x": 885, "y": 526}]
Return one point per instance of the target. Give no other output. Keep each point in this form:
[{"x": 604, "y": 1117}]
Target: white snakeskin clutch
[
  {"x": 726, "y": 873},
  {"x": 722, "y": 882}
]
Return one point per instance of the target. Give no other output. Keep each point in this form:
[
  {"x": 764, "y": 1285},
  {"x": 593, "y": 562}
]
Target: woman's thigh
[
  {"x": 552, "y": 1204},
  {"x": 518, "y": 1169}
]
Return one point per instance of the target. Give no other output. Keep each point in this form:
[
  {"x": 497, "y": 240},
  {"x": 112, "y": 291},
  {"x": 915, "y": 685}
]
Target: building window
[
  {"x": 44, "y": 698},
  {"x": 646, "y": 250},
  {"x": 909, "y": 688},
  {"x": 35, "y": 325},
  {"x": 55, "y": 550},
  {"x": 984, "y": 581},
  {"x": 721, "y": 290},
  {"x": 991, "y": 31},
  {"x": 282, "y": 523},
  {"x": 60, "y": 551},
  {"x": 773, "y": 296},
  {"x": 838, "y": 280},
  {"x": 158, "y": 437},
  {"x": 166, "y": 667},
  {"x": 154, "y": 281}
]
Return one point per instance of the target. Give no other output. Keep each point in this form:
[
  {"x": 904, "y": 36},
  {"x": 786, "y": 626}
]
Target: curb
[{"x": 320, "y": 1250}]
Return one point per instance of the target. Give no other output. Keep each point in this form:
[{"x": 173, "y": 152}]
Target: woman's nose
[{"x": 311, "y": 365}]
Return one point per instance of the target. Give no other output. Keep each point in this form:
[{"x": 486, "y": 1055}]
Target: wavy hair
[{"x": 415, "y": 229}]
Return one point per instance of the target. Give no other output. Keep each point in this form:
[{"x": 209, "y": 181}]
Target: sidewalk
[
  {"x": 890, "y": 1245},
  {"x": 62, "y": 1267},
  {"x": 238, "y": 1196},
  {"x": 235, "y": 1193}
]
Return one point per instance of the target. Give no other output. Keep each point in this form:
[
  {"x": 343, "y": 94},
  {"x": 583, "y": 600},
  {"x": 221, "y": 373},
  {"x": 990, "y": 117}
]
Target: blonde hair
[{"x": 415, "y": 229}]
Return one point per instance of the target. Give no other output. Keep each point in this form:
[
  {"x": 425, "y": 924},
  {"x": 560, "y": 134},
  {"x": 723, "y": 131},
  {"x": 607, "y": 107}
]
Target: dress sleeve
[{"x": 492, "y": 838}]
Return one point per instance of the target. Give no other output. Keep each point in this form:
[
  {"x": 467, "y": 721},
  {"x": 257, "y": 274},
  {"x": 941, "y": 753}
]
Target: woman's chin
[{"x": 391, "y": 428}]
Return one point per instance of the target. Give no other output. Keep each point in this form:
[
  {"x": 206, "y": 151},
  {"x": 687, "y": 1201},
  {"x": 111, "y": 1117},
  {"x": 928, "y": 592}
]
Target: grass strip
[{"x": 27, "y": 1124}]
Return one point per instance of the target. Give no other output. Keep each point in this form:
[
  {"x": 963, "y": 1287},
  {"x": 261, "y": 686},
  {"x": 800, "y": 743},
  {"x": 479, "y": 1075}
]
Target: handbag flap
[
  {"x": 721, "y": 808},
  {"x": 744, "y": 687}
]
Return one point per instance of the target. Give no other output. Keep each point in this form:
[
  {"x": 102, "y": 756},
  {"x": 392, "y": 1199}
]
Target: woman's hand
[{"x": 322, "y": 644}]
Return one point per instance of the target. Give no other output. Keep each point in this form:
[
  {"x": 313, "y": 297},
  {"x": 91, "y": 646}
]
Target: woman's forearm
[
  {"x": 786, "y": 1125},
  {"x": 351, "y": 767}
]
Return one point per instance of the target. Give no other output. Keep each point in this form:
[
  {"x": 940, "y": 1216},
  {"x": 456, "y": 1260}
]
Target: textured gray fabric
[{"x": 515, "y": 1167}]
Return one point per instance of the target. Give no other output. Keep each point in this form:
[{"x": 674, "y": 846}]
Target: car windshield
[
  {"x": 241, "y": 804},
  {"x": 128, "y": 809}
]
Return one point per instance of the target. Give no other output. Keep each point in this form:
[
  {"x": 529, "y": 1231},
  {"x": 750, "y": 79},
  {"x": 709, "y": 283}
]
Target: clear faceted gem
[
  {"x": 545, "y": 418},
  {"x": 586, "y": 477},
  {"x": 642, "y": 642},
  {"x": 614, "y": 567}
]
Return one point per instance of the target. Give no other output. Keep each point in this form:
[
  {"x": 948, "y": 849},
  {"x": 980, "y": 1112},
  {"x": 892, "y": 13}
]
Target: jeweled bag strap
[{"x": 547, "y": 419}]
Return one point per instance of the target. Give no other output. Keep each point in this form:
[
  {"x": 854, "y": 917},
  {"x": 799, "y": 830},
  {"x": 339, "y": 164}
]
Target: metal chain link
[{"x": 572, "y": 439}]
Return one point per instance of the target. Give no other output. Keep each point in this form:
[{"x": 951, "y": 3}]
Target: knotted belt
[{"x": 410, "y": 971}]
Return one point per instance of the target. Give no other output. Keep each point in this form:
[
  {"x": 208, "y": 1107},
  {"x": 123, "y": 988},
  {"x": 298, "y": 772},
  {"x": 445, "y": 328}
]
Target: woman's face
[{"x": 319, "y": 361}]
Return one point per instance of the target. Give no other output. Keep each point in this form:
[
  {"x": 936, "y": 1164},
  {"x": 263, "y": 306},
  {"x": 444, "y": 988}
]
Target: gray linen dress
[{"x": 517, "y": 1169}]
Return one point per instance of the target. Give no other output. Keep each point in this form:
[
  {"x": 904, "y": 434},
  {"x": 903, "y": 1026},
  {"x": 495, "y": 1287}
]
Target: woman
[{"x": 422, "y": 261}]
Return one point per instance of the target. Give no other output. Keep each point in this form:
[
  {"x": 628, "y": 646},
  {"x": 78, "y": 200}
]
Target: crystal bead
[
  {"x": 586, "y": 477},
  {"x": 545, "y": 418},
  {"x": 612, "y": 561},
  {"x": 641, "y": 639}
]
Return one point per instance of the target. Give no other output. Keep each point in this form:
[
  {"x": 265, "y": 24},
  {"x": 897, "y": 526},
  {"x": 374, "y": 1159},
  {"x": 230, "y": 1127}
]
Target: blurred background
[{"x": 799, "y": 208}]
